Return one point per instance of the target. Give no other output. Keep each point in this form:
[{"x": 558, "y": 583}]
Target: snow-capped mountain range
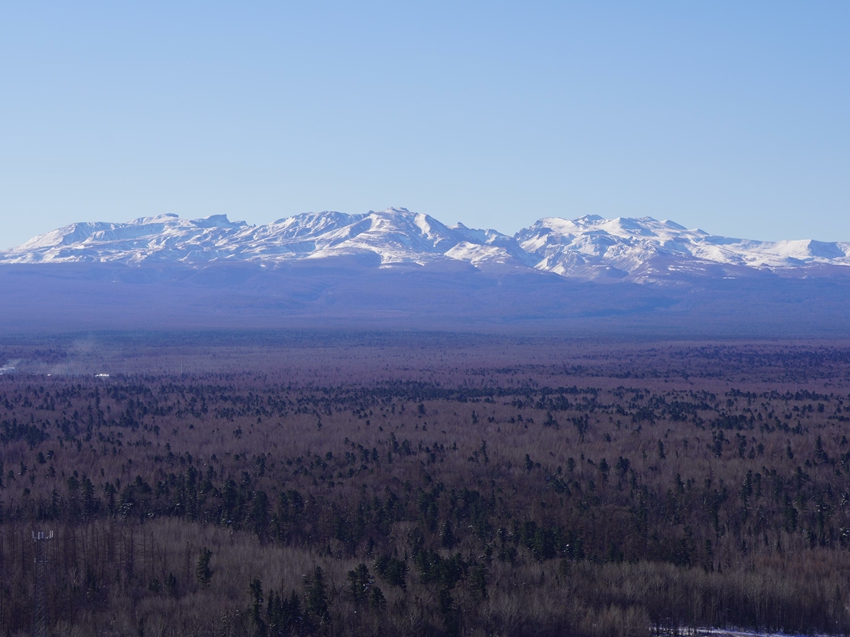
[{"x": 591, "y": 248}]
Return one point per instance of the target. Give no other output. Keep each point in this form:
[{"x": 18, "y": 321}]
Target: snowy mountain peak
[
  {"x": 588, "y": 220},
  {"x": 592, "y": 247},
  {"x": 141, "y": 221},
  {"x": 642, "y": 249},
  {"x": 218, "y": 221}
]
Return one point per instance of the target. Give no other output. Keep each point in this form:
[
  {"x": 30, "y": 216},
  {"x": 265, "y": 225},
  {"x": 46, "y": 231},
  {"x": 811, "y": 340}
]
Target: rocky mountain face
[{"x": 643, "y": 250}]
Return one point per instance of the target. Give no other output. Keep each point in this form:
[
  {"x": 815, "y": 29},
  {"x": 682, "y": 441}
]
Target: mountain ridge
[{"x": 642, "y": 250}]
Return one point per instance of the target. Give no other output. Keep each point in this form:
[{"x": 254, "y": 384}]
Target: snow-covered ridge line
[{"x": 590, "y": 247}]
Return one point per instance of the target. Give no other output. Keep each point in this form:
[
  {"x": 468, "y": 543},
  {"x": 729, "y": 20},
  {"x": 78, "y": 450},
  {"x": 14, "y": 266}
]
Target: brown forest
[{"x": 428, "y": 486}]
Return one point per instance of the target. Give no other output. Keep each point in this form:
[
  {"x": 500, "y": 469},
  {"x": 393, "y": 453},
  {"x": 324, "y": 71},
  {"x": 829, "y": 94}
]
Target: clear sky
[{"x": 729, "y": 116}]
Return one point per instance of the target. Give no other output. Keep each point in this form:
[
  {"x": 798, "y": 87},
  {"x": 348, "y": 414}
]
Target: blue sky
[{"x": 728, "y": 116}]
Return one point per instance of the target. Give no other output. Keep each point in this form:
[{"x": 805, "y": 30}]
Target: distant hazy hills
[
  {"x": 588, "y": 248},
  {"x": 398, "y": 269}
]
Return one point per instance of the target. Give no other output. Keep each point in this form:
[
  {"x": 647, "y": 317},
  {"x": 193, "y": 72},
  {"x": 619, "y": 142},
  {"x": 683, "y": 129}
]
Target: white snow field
[{"x": 642, "y": 250}]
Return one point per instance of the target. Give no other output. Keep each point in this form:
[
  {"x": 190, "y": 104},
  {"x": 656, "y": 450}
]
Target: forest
[{"x": 436, "y": 487}]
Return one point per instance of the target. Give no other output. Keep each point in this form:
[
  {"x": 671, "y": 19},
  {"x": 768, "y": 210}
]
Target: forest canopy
[{"x": 600, "y": 491}]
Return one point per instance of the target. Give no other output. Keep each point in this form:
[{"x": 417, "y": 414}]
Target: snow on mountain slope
[
  {"x": 397, "y": 235},
  {"x": 643, "y": 250},
  {"x": 593, "y": 247},
  {"x": 161, "y": 238}
]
